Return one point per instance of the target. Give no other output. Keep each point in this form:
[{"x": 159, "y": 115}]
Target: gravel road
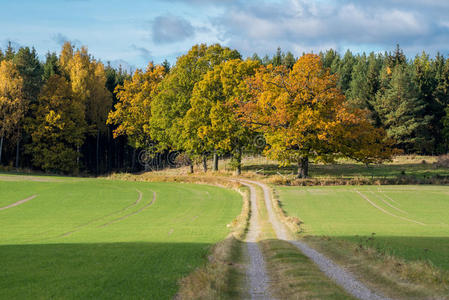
[
  {"x": 342, "y": 277},
  {"x": 257, "y": 274}
]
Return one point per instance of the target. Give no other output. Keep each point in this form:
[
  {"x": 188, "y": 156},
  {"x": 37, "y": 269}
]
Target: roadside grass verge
[
  {"x": 292, "y": 274},
  {"x": 223, "y": 277},
  {"x": 403, "y": 259},
  {"x": 295, "y": 276}
]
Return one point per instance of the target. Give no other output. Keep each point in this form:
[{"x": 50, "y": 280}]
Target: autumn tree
[
  {"x": 58, "y": 129},
  {"x": 132, "y": 112},
  {"x": 211, "y": 122},
  {"x": 303, "y": 116},
  {"x": 88, "y": 81},
  {"x": 12, "y": 104},
  {"x": 173, "y": 98}
]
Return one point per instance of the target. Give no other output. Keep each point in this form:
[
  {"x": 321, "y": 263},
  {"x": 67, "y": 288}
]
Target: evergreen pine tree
[
  {"x": 51, "y": 66},
  {"x": 9, "y": 53},
  {"x": 256, "y": 57},
  {"x": 277, "y": 58},
  {"x": 345, "y": 71},
  {"x": 289, "y": 60},
  {"x": 401, "y": 111}
]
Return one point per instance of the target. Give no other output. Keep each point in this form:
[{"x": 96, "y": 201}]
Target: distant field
[
  {"x": 416, "y": 166},
  {"x": 103, "y": 239},
  {"x": 411, "y": 222}
]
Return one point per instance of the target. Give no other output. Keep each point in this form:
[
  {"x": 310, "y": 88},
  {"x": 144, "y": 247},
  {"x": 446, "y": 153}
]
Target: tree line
[{"x": 71, "y": 113}]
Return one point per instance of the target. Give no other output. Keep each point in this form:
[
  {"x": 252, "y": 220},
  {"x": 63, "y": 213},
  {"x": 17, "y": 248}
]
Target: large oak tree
[{"x": 303, "y": 116}]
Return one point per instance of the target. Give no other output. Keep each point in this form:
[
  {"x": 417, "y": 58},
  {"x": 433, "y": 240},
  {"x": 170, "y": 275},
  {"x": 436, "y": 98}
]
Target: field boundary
[{"x": 18, "y": 202}]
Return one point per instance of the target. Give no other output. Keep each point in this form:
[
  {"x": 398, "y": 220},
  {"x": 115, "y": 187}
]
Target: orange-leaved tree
[{"x": 303, "y": 116}]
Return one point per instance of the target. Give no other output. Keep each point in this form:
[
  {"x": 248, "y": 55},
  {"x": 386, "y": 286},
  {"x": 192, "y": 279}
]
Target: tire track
[
  {"x": 388, "y": 197},
  {"x": 130, "y": 214},
  {"x": 256, "y": 273},
  {"x": 18, "y": 202},
  {"x": 388, "y": 203},
  {"x": 79, "y": 227},
  {"x": 339, "y": 275},
  {"x": 387, "y": 212}
]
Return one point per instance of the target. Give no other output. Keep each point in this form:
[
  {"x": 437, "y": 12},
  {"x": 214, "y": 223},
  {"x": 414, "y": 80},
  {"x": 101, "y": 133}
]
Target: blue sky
[{"x": 136, "y": 31}]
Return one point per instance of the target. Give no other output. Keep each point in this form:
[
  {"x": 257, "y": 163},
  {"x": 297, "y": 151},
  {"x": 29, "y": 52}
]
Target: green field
[
  {"x": 94, "y": 238},
  {"x": 411, "y": 222}
]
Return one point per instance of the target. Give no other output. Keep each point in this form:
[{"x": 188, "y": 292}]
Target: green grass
[
  {"x": 56, "y": 245},
  {"x": 400, "y": 166},
  {"x": 344, "y": 212}
]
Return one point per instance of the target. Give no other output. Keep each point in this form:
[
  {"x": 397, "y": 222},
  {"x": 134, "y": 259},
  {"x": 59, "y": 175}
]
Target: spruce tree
[
  {"x": 401, "y": 111},
  {"x": 9, "y": 53},
  {"x": 345, "y": 71},
  {"x": 277, "y": 58},
  {"x": 51, "y": 66},
  {"x": 256, "y": 57},
  {"x": 289, "y": 60}
]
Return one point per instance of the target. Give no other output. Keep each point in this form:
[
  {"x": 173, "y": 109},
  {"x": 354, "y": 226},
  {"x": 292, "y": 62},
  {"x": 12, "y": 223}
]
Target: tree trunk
[
  {"x": 133, "y": 163},
  {"x": 17, "y": 152},
  {"x": 98, "y": 152},
  {"x": 303, "y": 167},
  {"x": 191, "y": 167},
  {"x": 215, "y": 164},
  {"x": 1, "y": 148},
  {"x": 78, "y": 157},
  {"x": 205, "y": 163},
  {"x": 238, "y": 159}
]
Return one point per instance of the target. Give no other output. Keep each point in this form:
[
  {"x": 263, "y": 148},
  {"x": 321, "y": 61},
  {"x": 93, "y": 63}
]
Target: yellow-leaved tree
[
  {"x": 303, "y": 116},
  {"x": 132, "y": 112},
  {"x": 88, "y": 82},
  {"x": 12, "y": 104},
  {"x": 210, "y": 123},
  {"x": 58, "y": 129}
]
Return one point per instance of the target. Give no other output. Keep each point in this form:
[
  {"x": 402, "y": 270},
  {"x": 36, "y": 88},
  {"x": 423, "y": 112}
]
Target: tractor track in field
[
  {"x": 131, "y": 214},
  {"x": 338, "y": 274},
  {"x": 80, "y": 227},
  {"x": 386, "y": 211},
  {"x": 18, "y": 202},
  {"x": 388, "y": 203}
]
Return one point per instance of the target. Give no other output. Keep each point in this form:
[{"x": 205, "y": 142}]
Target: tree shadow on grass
[
  {"x": 140, "y": 270},
  {"x": 351, "y": 170}
]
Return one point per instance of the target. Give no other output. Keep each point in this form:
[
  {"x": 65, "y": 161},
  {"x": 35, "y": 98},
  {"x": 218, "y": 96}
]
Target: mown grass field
[
  {"x": 105, "y": 239},
  {"x": 410, "y": 222}
]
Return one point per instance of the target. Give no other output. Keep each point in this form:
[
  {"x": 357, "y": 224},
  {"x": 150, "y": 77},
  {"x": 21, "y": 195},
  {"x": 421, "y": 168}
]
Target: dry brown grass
[
  {"x": 295, "y": 276},
  {"x": 221, "y": 277},
  {"x": 395, "y": 277}
]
